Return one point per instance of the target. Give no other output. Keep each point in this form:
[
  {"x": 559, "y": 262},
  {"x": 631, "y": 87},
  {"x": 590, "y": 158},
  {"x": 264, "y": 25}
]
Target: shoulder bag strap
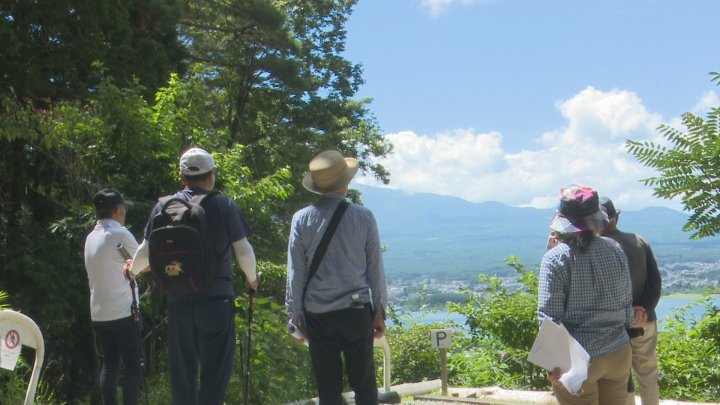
[{"x": 324, "y": 242}]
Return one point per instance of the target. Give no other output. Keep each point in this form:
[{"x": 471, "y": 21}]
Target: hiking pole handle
[
  {"x": 123, "y": 252},
  {"x": 134, "y": 310},
  {"x": 127, "y": 256}
]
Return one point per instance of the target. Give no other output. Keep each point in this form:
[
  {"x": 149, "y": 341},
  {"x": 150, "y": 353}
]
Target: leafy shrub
[
  {"x": 689, "y": 354},
  {"x": 480, "y": 367},
  {"x": 13, "y": 384},
  {"x": 413, "y": 359},
  {"x": 280, "y": 370},
  {"x": 502, "y": 320}
]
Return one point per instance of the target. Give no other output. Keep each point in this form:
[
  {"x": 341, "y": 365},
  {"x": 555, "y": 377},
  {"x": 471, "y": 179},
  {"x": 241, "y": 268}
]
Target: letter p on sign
[{"x": 440, "y": 338}]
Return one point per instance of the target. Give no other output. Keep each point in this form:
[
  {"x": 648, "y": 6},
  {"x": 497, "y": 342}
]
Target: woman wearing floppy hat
[
  {"x": 585, "y": 285},
  {"x": 341, "y": 306}
]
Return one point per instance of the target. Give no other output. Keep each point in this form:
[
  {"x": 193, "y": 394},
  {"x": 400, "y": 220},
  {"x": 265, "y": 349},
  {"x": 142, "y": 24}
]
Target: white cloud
[
  {"x": 439, "y": 7},
  {"x": 442, "y": 163},
  {"x": 589, "y": 149},
  {"x": 708, "y": 101}
]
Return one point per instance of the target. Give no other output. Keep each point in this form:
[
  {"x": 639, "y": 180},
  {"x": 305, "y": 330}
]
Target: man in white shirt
[{"x": 111, "y": 298}]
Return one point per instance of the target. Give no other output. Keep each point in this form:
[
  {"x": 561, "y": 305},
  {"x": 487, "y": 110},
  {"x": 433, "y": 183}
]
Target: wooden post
[
  {"x": 443, "y": 372},
  {"x": 442, "y": 339}
]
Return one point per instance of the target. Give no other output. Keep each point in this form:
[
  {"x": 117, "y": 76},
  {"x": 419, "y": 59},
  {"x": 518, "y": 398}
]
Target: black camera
[{"x": 635, "y": 332}]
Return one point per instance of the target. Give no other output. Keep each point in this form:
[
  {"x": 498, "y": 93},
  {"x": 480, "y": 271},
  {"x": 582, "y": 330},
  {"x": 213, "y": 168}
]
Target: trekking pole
[
  {"x": 135, "y": 312},
  {"x": 251, "y": 297}
]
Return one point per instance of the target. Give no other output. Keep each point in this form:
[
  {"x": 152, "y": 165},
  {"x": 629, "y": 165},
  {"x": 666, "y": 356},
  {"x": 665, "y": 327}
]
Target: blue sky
[{"x": 509, "y": 100}]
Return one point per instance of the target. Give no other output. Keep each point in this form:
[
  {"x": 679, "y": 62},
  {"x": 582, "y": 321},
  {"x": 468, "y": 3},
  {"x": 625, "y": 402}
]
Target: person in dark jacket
[{"x": 646, "y": 287}]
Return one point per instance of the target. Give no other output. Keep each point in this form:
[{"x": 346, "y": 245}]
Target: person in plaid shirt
[{"x": 585, "y": 285}]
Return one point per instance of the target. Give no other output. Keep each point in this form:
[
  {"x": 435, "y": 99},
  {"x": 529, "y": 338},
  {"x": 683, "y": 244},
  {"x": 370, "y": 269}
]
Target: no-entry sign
[{"x": 9, "y": 348}]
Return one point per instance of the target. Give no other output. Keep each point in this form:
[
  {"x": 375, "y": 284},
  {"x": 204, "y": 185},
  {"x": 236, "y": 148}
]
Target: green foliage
[
  {"x": 689, "y": 354},
  {"x": 500, "y": 313},
  {"x": 282, "y": 86},
  {"x": 413, "y": 359},
  {"x": 272, "y": 281},
  {"x": 15, "y": 384},
  {"x": 279, "y": 368},
  {"x": 47, "y": 49},
  {"x": 688, "y": 168},
  {"x": 259, "y": 199},
  {"x": 483, "y": 366},
  {"x": 502, "y": 325},
  {"x": 4, "y": 300},
  {"x": 266, "y": 90}
]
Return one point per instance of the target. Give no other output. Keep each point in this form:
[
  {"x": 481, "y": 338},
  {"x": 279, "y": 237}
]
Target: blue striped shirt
[
  {"x": 589, "y": 293},
  {"x": 352, "y": 263}
]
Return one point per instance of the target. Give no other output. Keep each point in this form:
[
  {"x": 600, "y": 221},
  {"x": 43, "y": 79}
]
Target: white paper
[
  {"x": 10, "y": 346},
  {"x": 551, "y": 347},
  {"x": 578, "y": 373},
  {"x": 554, "y": 347},
  {"x": 141, "y": 261}
]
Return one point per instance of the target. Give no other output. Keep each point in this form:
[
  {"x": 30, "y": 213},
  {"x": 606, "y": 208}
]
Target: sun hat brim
[
  {"x": 595, "y": 222},
  {"x": 342, "y": 180}
]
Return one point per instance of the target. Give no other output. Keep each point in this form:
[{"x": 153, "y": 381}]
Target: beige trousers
[
  {"x": 644, "y": 363},
  {"x": 606, "y": 383}
]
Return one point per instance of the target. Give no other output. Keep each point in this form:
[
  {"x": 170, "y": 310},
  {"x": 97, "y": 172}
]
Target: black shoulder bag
[{"x": 324, "y": 242}]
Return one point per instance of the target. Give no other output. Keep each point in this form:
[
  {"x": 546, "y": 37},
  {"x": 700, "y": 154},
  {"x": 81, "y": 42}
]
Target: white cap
[{"x": 196, "y": 161}]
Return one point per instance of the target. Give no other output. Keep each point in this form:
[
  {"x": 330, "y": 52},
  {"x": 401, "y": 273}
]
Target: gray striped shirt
[{"x": 351, "y": 266}]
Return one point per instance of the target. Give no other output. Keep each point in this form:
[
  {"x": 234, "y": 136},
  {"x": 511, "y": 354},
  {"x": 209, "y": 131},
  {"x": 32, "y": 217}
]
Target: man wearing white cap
[
  {"x": 341, "y": 307},
  {"x": 201, "y": 326}
]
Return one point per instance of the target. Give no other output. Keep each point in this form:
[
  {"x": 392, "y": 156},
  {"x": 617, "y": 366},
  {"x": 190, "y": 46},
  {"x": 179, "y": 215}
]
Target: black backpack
[{"x": 182, "y": 254}]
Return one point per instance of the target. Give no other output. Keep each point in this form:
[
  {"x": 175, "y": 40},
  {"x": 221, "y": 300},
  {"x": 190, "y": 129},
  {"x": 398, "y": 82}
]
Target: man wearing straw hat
[{"x": 340, "y": 307}]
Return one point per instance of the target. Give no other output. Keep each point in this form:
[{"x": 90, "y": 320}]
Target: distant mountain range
[{"x": 428, "y": 234}]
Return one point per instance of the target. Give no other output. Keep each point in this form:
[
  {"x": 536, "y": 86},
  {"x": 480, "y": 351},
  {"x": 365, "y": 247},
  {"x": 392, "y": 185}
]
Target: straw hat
[{"x": 329, "y": 172}]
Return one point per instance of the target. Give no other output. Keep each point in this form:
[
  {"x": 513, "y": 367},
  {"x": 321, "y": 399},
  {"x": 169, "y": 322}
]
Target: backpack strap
[
  {"x": 324, "y": 242},
  {"x": 199, "y": 198}
]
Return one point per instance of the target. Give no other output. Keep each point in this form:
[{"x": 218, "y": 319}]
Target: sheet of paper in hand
[{"x": 554, "y": 347}]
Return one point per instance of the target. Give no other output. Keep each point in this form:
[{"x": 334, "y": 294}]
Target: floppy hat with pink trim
[{"x": 579, "y": 210}]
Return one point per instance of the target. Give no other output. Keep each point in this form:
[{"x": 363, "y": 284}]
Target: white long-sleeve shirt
[{"x": 110, "y": 293}]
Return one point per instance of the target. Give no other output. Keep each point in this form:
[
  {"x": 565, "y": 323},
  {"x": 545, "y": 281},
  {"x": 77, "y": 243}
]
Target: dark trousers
[
  {"x": 350, "y": 332},
  {"x": 119, "y": 341},
  {"x": 201, "y": 338}
]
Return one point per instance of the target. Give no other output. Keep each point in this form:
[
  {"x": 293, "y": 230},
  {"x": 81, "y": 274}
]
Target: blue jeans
[
  {"x": 201, "y": 340},
  {"x": 119, "y": 340}
]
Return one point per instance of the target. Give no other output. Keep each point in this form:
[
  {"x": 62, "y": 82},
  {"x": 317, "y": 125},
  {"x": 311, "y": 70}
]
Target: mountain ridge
[{"x": 448, "y": 237}]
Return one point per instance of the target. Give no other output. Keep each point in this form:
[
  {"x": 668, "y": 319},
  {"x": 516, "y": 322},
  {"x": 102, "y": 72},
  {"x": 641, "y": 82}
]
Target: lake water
[{"x": 665, "y": 307}]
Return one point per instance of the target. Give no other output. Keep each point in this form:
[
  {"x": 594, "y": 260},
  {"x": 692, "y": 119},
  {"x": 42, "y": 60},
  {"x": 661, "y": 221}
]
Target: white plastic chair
[
  {"x": 387, "y": 364},
  {"x": 386, "y": 396},
  {"x": 30, "y": 336}
]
